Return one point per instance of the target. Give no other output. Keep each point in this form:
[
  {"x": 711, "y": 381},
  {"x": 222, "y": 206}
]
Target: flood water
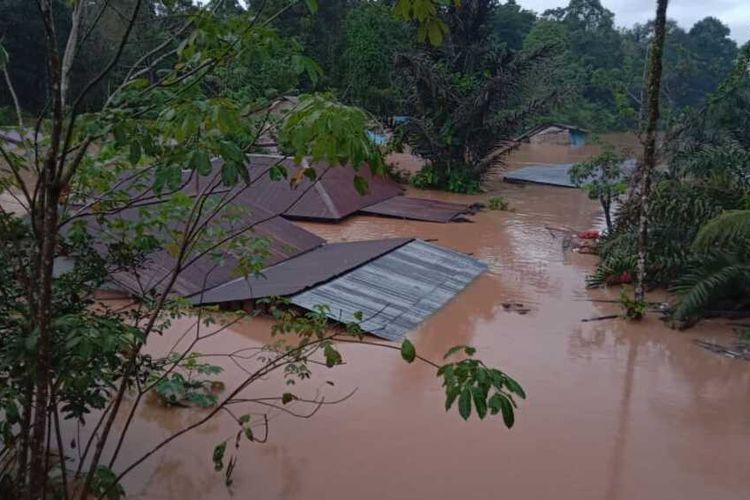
[{"x": 615, "y": 410}]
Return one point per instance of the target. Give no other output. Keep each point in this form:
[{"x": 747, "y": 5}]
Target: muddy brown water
[{"x": 615, "y": 410}]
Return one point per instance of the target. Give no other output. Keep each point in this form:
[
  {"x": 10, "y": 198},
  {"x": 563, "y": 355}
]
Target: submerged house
[
  {"x": 332, "y": 196},
  {"x": 553, "y": 175},
  {"x": 554, "y": 133},
  {"x": 394, "y": 283}
]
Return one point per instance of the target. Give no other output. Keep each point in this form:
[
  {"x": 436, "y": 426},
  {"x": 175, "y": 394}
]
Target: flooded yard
[{"x": 615, "y": 409}]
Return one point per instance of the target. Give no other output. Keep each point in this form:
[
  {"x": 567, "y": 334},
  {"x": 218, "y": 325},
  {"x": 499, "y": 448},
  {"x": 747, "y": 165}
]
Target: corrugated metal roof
[
  {"x": 285, "y": 240},
  {"x": 397, "y": 291},
  {"x": 300, "y": 273},
  {"x": 332, "y": 197},
  {"x": 13, "y": 136},
  {"x": 535, "y": 130},
  {"x": 552, "y": 175},
  {"x": 405, "y": 207}
]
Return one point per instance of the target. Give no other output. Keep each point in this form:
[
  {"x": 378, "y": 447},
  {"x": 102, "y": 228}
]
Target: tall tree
[
  {"x": 372, "y": 40},
  {"x": 511, "y": 23},
  {"x": 648, "y": 164},
  {"x": 469, "y": 95},
  {"x": 712, "y": 54}
]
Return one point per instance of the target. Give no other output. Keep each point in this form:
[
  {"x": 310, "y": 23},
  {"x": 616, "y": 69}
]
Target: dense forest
[
  {"x": 596, "y": 67},
  {"x": 128, "y": 128},
  {"x": 698, "y": 218},
  {"x": 500, "y": 69}
]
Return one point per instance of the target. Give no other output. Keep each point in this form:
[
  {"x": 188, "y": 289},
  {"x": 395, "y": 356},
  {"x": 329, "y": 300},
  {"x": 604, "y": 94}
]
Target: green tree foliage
[
  {"x": 321, "y": 33},
  {"x": 273, "y": 67},
  {"x": 697, "y": 224},
  {"x": 711, "y": 56},
  {"x": 511, "y": 23},
  {"x": 373, "y": 38},
  {"x": 593, "y": 50},
  {"x": 606, "y": 66},
  {"x": 467, "y": 96},
  {"x": 592, "y": 37},
  {"x": 603, "y": 179}
]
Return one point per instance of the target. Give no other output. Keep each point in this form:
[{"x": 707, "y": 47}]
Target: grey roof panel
[
  {"x": 397, "y": 291},
  {"x": 301, "y": 272},
  {"x": 406, "y": 207},
  {"x": 551, "y": 175}
]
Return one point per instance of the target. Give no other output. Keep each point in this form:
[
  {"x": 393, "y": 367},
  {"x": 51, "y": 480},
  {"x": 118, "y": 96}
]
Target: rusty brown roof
[
  {"x": 302, "y": 272},
  {"x": 332, "y": 197},
  {"x": 276, "y": 240},
  {"x": 209, "y": 270},
  {"x": 405, "y": 207}
]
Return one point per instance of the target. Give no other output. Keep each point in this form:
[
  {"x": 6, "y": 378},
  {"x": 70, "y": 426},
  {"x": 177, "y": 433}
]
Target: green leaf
[
  {"x": 140, "y": 83},
  {"x": 464, "y": 403},
  {"x": 507, "y": 408},
  {"x": 105, "y": 481},
  {"x": 200, "y": 162},
  {"x": 167, "y": 175},
  {"x": 218, "y": 455},
  {"x": 479, "y": 402},
  {"x": 333, "y": 357},
  {"x": 287, "y": 397},
  {"x": 360, "y": 184},
  {"x": 435, "y": 32},
  {"x": 515, "y": 387},
  {"x": 310, "y": 173},
  {"x": 450, "y": 396},
  {"x": 466, "y": 348},
  {"x": 277, "y": 172},
  {"x": 135, "y": 152},
  {"x": 229, "y": 174},
  {"x": 408, "y": 352},
  {"x": 120, "y": 134},
  {"x": 453, "y": 350},
  {"x": 312, "y": 6},
  {"x": 495, "y": 404}
]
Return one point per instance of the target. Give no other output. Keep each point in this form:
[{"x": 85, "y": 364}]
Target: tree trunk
[
  {"x": 14, "y": 97},
  {"x": 607, "y": 208},
  {"x": 46, "y": 228},
  {"x": 43, "y": 323},
  {"x": 649, "y": 141}
]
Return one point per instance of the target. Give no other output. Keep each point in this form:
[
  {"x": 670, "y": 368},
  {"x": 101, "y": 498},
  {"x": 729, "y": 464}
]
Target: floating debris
[
  {"x": 516, "y": 307},
  {"x": 740, "y": 350}
]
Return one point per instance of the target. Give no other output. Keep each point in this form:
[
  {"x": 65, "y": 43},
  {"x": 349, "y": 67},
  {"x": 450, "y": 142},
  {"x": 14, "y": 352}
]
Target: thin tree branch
[
  {"x": 71, "y": 48},
  {"x": 16, "y": 102}
]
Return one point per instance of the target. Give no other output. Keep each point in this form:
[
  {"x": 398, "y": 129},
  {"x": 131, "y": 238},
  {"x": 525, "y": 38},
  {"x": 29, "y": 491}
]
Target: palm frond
[
  {"x": 729, "y": 228},
  {"x": 713, "y": 277}
]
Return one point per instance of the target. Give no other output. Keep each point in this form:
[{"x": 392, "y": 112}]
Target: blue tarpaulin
[{"x": 377, "y": 138}]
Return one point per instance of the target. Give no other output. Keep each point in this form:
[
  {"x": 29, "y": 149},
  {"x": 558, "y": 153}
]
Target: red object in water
[
  {"x": 589, "y": 234},
  {"x": 620, "y": 279}
]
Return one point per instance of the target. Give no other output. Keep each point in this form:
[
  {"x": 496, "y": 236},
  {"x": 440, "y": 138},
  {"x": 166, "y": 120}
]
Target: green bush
[
  {"x": 455, "y": 180},
  {"x": 498, "y": 203}
]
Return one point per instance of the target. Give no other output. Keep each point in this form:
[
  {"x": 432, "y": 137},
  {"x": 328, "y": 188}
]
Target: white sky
[{"x": 733, "y": 13}]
